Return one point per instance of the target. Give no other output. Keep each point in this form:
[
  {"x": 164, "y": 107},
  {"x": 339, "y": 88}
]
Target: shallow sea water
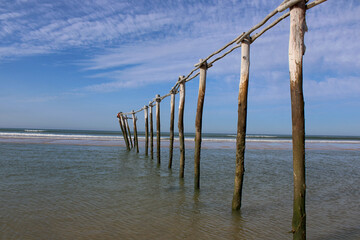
[{"x": 50, "y": 191}]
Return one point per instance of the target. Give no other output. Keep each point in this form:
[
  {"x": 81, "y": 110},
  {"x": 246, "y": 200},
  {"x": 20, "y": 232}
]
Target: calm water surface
[{"x": 50, "y": 191}]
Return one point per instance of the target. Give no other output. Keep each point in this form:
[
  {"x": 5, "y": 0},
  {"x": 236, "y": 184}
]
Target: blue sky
[{"x": 75, "y": 64}]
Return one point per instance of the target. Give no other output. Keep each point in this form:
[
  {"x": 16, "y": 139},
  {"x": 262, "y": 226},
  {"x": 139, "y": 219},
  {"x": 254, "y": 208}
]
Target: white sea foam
[
  {"x": 34, "y": 130},
  {"x": 260, "y": 136},
  {"x": 58, "y": 136},
  {"x": 334, "y": 141},
  {"x": 41, "y": 134}
]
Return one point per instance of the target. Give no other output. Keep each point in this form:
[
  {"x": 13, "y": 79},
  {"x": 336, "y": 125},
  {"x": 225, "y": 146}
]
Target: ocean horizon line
[{"x": 227, "y": 134}]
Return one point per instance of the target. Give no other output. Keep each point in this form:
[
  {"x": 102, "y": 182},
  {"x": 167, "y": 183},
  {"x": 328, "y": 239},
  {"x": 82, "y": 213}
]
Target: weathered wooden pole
[
  {"x": 172, "y": 114},
  {"x": 296, "y": 52},
  {"x": 151, "y": 131},
  {"x": 122, "y": 130},
  {"x": 181, "y": 127},
  {"x": 128, "y": 129},
  {"x": 158, "y": 100},
  {"x": 136, "y": 142},
  {"x": 198, "y": 122},
  {"x": 125, "y": 131},
  {"x": 241, "y": 125},
  {"x": 146, "y": 130}
]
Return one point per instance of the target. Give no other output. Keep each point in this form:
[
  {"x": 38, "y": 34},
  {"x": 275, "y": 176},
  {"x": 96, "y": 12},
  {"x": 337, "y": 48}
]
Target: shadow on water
[
  {"x": 237, "y": 224},
  {"x": 196, "y": 198}
]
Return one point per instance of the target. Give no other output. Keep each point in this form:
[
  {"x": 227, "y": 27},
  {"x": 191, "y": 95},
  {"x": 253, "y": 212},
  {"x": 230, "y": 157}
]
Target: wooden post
[
  {"x": 146, "y": 130},
  {"x": 125, "y": 131},
  {"x": 181, "y": 127},
  {"x": 122, "y": 130},
  {"x": 136, "y": 142},
  {"x": 198, "y": 122},
  {"x": 241, "y": 125},
  {"x": 172, "y": 113},
  {"x": 158, "y": 100},
  {"x": 296, "y": 52},
  {"x": 128, "y": 128},
  {"x": 151, "y": 131}
]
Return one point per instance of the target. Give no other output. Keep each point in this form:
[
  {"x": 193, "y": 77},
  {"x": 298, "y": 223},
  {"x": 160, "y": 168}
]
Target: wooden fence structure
[{"x": 297, "y": 10}]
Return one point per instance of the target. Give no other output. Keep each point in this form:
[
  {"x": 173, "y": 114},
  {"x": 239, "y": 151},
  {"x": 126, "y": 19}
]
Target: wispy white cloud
[
  {"x": 142, "y": 42},
  {"x": 7, "y": 16},
  {"x": 60, "y": 25},
  {"x": 333, "y": 88}
]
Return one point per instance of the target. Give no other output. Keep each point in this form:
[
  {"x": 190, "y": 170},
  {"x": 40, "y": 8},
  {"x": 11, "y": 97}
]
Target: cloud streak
[
  {"x": 140, "y": 43},
  {"x": 64, "y": 24}
]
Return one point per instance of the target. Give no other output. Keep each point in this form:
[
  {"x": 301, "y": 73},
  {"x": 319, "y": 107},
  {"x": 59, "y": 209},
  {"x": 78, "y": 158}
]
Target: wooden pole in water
[
  {"x": 172, "y": 114},
  {"x": 181, "y": 127},
  {"x": 296, "y": 52},
  {"x": 241, "y": 125},
  {"x": 125, "y": 131},
  {"x": 122, "y": 130},
  {"x": 146, "y": 130},
  {"x": 136, "y": 142},
  {"x": 198, "y": 122},
  {"x": 151, "y": 131},
  {"x": 158, "y": 100},
  {"x": 128, "y": 128},
  {"x": 131, "y": 140}
]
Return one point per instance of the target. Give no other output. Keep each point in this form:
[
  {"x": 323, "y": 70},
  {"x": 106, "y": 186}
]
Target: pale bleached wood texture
[
  {"x": 158, "y": 132},
  {"x": 241, "y": 125},
  {"x": 146, "y": 120},
  {"x": 181, "y": 129},
  {"x": 296, "y": 52},
  {"x": 198, "y": 123},
  {"x": 151, "y": 132},
  {"x": 172, "y": 115},
  {"x": 136, "y": 140},
  {"x": 123, "y": 132},
  {"x": 128, "y": 131}
]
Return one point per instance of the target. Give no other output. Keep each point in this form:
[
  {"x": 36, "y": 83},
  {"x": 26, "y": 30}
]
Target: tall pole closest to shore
[
  {"x": 296, "y": 52},
  {"x": 241, "y": 125}
]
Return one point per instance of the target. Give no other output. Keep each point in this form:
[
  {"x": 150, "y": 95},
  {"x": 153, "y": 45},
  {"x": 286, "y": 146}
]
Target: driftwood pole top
[{"x": 157, "y": 98}]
